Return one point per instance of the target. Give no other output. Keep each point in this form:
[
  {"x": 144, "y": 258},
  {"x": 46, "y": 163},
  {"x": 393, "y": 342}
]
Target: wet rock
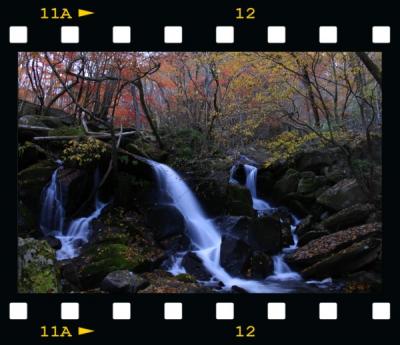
[
  {"x": 363, "y": 282},
  {"x": 123, "y": 281},
  {"x": 166, "y": 220},
  {"x": 77, "y": 184},
  {"x": 343, "y": 194},
  {"x": 194, "y": 266},
  {"x": 310, "y": 183},
  {"x": 351, "y": 216},
  {"x": 234, "y": 254},
  {"x": 37, "y": 268},
  {"x": 325, "y": 246},
  {"x": 350, "y": 259},
  {"x": 238, "y": 289},
  {"x": 239, "y": 201},
  {"x": 212, "y": 195},
  {"x": 304, "y": 226},
  {"x": 53, "y": 242},
  {"x": 164, "y": 282},
  {"x": 258, "y": 266},
  {"x": 260, "y": 233},
  {"x": 336, "y": 173},
  {"x": 27, "y": 222},
  {"x": 311, "y": 235}
]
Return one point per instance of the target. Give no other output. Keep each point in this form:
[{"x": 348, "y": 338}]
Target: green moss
[
  {"x": 37, "y": 269},
  {"x": 186, "y": 278}
]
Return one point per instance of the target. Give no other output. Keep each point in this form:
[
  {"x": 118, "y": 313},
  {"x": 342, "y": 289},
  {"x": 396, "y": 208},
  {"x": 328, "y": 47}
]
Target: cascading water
[
  {"x": 52, "y": 213},
  {"x": 282, "y": 271},
  {"x": 53, "y": 218},
  {"x": 205, "y": 237}
]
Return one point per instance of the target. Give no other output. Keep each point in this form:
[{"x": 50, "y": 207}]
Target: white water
[
  {"x": 52, "y": 213},
  {"x": 53, "y": 218},
  {"x": 204, "y": 235},
  {"x": 282, "y": 271}
]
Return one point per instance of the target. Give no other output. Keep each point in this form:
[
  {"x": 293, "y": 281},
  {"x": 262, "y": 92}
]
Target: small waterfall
[
  {"x": 281, "y": 270},
  {"x": 251, "y": 184},
  {"x": 53, "y": 218},
  {"x": 52, "y": 213}
]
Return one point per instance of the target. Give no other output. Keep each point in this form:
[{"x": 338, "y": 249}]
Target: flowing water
[
  {"x": 53, "y": 218},
  {"x": 206, "y": 237}
]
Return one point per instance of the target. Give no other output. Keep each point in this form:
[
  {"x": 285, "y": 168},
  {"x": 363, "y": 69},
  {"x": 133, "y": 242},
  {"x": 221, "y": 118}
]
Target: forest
[{"x": 199, "y": 172}]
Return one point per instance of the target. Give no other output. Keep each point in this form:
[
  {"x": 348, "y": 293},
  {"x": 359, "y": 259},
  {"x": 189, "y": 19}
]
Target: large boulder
[
  {"x": 123, "y": 281},
  {"x": 238, "y": 259},
  {"x": 41, "y": 121},
  {"x": 325, "y": 246},
  {"x": 350, "y": 259},
  {"x": 27, "y": 221},
  {"x": 212, "y": 195},
  {"x": 166, "y": 220},
  {"x": 29, "y": 154},
  {"x": 286, "y": 184},
  {"x": 315, "y": 160},
  {"x": 343, "y": 194},
  {"x": 351, "y": 216},
  {"x": 99, "y": 259},
  {"x": 310, "y": 183},
  {"x": 37, "y": 267},
  {"x": 234, "y": 255},
  {"x": 239, "y": 201},
  {"x": 194, "y": 266},
  {"x": 311, "y": 235},
  {"x": 32, "y": 181},
  {"x": 260, "y": 233}
]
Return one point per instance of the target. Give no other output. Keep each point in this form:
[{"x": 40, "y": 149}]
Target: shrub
[{"x": 83, "y": 152}]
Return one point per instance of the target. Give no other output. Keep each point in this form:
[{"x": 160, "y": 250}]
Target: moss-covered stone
[
  {"x": 31, "y": 182},
  {"x": 37, "y": 269},
  {"x": 41, "y": 121},
  {"x": 186, "y": 278},
  {"x": 26, "y": 220}
]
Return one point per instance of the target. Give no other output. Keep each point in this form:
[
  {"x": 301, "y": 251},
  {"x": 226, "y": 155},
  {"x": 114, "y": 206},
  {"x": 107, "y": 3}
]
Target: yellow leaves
[{"x": 84, "y": 152}]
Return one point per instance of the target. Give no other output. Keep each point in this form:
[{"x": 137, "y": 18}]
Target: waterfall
[
  {"x": 204, "y": 235},
  {"x": 281, "y": 270},
  {"x": 52, "y": 213},
  {"x": 53, "y": 218}
]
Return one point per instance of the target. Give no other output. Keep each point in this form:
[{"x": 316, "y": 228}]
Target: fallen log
[{"x": 72, "y": 137}]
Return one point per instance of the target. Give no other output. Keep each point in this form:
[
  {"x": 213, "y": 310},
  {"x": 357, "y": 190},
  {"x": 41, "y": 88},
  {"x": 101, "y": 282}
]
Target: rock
[
  {"x": 77, "y": 184},
  {"x": 336, "y": 173},
  {"x": 186, "y": 278},
  {"x": 304, "y": 226},
  {"x": 29, "y": 154},
  {"x": 314, "y": 160},
  {"x": 166, "y": 220},
  {"x": 310, "y": 183},
  {"x": 123, "y": 282},
  {"x": 212, "y": 195},
  {"x": 177, "y": 243},
  {"x": 37, "y": 268},
  {"x": 350, "y": 259},
  {"x": 287, "y": 184},
  {"x": 97, "y": 260},
  {"x": 41, "y": 121},
  {"x": 311, "y": 235},
  {"x": 343, "y": 194},
  {"x": 53, "y": 242},
  {"x": 239, "y": 201},
  {"x": 240, "y": 174},
  {"x": 234, "y": 255},
  {"x": 194, "y": 266},
  {"x": 27, "y": 222},
  {"x": 258, "y": 266},
  {"x": 287, "y": 238},
  {"x": 325, "y": 246},
  {"x": 363, "y": 282},
  {"x": 31, "y": 182},
  {"x": 165, "y": 282},
  {"x": 265, "y": 183},
  {"x": 238, "y": 289},
  {"x": 261, "y": 233},
  {"x": 351, "y": 216}
]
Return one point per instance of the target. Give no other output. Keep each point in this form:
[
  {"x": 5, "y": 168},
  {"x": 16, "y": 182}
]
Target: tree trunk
[{"x": 371, "y": 67}]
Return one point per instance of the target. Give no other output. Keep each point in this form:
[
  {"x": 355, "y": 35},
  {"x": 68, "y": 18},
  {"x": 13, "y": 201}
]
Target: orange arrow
[{"x": 82, "y": 331}]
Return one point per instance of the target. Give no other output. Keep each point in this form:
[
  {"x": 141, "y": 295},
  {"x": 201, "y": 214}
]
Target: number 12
[{"x": 249, "y": 13}]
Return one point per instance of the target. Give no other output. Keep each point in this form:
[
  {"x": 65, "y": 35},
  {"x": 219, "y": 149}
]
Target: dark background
[{"x": 147, "y": 19}]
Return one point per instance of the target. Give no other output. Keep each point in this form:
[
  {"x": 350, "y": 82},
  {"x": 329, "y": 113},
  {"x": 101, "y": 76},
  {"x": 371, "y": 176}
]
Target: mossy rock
[
  {"x": 41, "y": 121},
  {"x": 99, "y": 260},
  {"x": 31, "y": 182},
  {"x": 37, "y": 268},
  {"x": 68, "y": 130},
  {"x": 29, "y": 154},
  {"x": 26, "y": 220},
  {"x": 186, "y": 278}
]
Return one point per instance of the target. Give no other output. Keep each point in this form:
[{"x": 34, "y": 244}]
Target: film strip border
[
  {"x": 275, "y": 35},
  {"x": 222, "y": 311}
]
